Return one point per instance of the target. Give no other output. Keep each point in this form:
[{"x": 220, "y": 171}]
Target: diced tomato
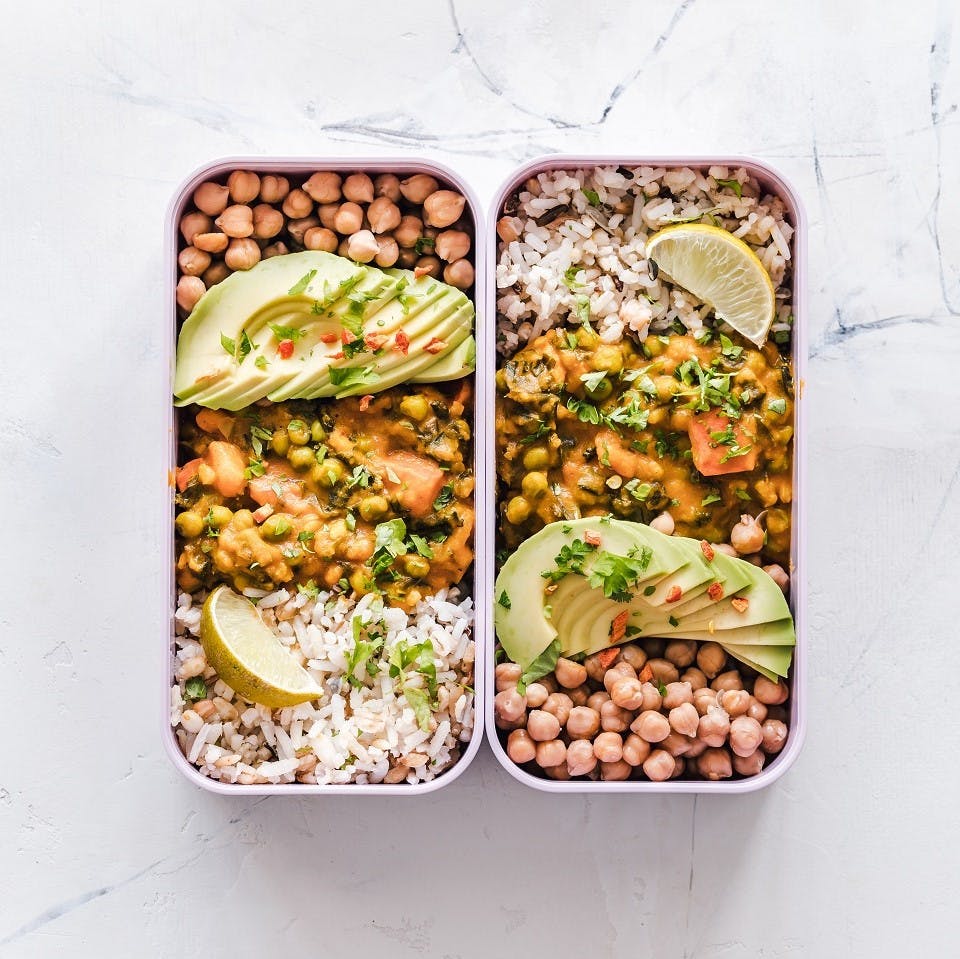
[
  {"x": 673, "y": 594},
  {"x": 436, "y": 345},
  {"x": 285, "y": 349},
  {"x": 373, "y": 341},
  {"x": 214, "y": 421},
  {"x": 346, "y": 336},
  {"x": 401, "y": 342},
  {"x": 365, "y": 402},
  {"x": 339, "y": 355},
  {"x": 715, "y": 591},
  {"x": 618, "y": 627},
  {"x": 329, "y": 337},
  {"x": 262, "y": 512},
  {"x": 228, "y": 465},
  {"x": 187, "y": 473},
  {"x": 419, "y": 481},
  {"x": 591, "y": 537},
  {"x": 713, "y": 458}
]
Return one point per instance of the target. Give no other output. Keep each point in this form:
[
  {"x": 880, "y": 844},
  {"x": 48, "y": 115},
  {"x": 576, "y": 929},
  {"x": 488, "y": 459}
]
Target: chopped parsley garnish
[
  {"x": 348, "y": 376},
  {"x": 306, "y": 538},
  {"x": 731, "y": 185},
  {"x": 504, "y": 600},
  {"x": 778, "y": 406},
  {"x": 351, "y": 349},
  {"x": 593, "y": 380},
  {"x": 586, "y": 412},
  {"x": 708, "y": 388},
  {"x": 444, "y": 497},
  {"x": 616, "y": 574},
  {"x": 570, "y": 277},
  {"x": 570, "y": 559},
  {"x": 593, "y": 198},
  {"x": 256, "y": 468},
  {"x": 353, "y": 318},
  {"x": 350, "y": 521},
  {"x": 286, "y": 332},
  {"x": 258, "y": 436},
  {"x": 359, "y": 477},
  {"x": 545, "y": 663},
  {"x": 309, "y": 588},
  {"x": 583, "y": 309},
  {"x": 630, "y": 415},
  {"x": 261, "y": 362},
  {"x": 421, "y": 546},
  {"x": 728, "y": 349},
  {"x": 229, "y": 346},
  {"x": 423, "y": 244},
  {"x": 195, "y": 688},
  {"x": 734, "y": 451},
  {"x": 542, "y": 430},
  {"x": 673, "y": 621},
  {"x": 321, "y": 453},
  {"x": 571, "y": 339},
  {"x": 743, "y": 494},
  {"x": 244, "y": 347},
  {"x": 639, "y": 491},
  {"x": 301, "y": 285},
  {"x": 661, "y": 688},
  {"x": 711, "y": 498}
]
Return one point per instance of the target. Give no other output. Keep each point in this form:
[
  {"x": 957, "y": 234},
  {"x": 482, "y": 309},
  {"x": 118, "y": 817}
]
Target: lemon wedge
[
  {"x": 248, "y": 656},
  {"x": 719, "y": 269}
]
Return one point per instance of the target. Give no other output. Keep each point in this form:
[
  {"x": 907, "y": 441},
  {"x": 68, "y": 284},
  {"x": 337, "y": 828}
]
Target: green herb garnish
[
  {"x": 348, "y": 376},
  {"x": 444, "y": 497},
  {"x": 195, "y": 688},
  {"x": 301, "y": 284},
  {"x": 504, "y": 600},
  {"x": 731, "y": 185},
  {"x": 616, "y": 574}
]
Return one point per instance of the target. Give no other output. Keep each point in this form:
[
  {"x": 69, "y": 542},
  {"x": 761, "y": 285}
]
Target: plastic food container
[
  {"x": 482, "y": 584},
  {"x": 487, "y": 361}
]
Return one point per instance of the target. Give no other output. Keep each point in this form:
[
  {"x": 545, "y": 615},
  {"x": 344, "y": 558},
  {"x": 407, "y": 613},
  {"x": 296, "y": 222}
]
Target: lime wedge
[
  {"x": 719, "y": 269},
  {"x": 248, "y": 656}
]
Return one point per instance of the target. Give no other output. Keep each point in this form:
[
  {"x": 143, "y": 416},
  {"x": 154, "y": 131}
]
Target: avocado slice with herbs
[{"x": 454, "y": 366}]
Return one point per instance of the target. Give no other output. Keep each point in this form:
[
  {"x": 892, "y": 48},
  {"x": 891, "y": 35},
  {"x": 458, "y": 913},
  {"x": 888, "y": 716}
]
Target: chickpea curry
[
  {"x": 371, "y": 493},
  {"x": 701, "y": 427}
]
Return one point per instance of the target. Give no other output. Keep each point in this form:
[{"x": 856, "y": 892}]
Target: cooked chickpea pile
[
  {"x": 414, "y": 223},
  {"x": 653, "y": 710}
]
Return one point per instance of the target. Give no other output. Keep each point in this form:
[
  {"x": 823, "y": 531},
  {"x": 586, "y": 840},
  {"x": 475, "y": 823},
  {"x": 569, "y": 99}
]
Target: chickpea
[
  {"x": 242, "y": 254},
  {"x": 267, "y": 221},
  {"x": 273, "y": 188},
  {"x": 216, "y": 273},
  {"x": 297, "y": 205},
  {"x": 747, "y": 536},
  {"x": 677, "y": 694},
  {"x": 663, "y": 523},
  {"x": 746, "y": 735},
  {"x": 779, "y": 575},
  {"x": 236, "y": 221},
  {"x": 509, "y": 705},
  {"x": 652, "y": 726},
  {"x": 579, "y": 695},
  {"x": 520, "y": 747},
  {"x": 634, "y": 656},
  {"x": 697, "y": 748},
  {"x": 651, "y": 697},
  {"x": 274, "y": 249},
  {"x": 388, "y": 253},
  {"x": 635, "y": 749},
  {"x": 373, "y": 508},
  {"x": 614, "y": 718},
  {"x": 387, "y": 185},
  {"x": 211, "y": 242},
  {"x": 615, "y": 772},
  {"x": 695, "y": 678},
  {"x": 664, "y": 671},
  {"x": 676, "y": 743},
  {"x": 348, "y": 219},
  {"x": 427, "y": 266},
  {"x": 443, "y": 208},
  {"x": 452, "y": 245},
  {"x": 627, "y": 693},
  {"x": 728, "y": 680},
  {"x": 460, "y": 274},
  {"x": 211, "y": 198},
  {"x": 506, "y": 675},
  {"x": 551, "y": 753},
  {"x": 711, "y": 658},
  {"x": 580, "y": 757},
  {"x": 596, "y": 700},
  {"x": 327, "y": 212},
  {"x": 194, "y": 223},
  {"x": 534, "y": 485},
  {"x": 756, "y": 710},
  {"x": 320, "y": 238},
  {"x": 595, "y": 668},
  {"x": 724, "y": 548},
  {"x": 681, "y": 652},
  {"x": 734, "y": 701},
  {"x": 619, "y": 670},
  {"x": 550, "y": 683},
  {"x": 559, "y": 773},
  {"x": 418, "y": 187},
  {"x": 362, "y": 246},
  {"x": 408, "y": 231},
  {"x": 220, "y": 516},
  {"x": 749, "y": 765},
  {"x": 500, "y": 723},
  {"x": 189, "y": 291},
  {"x": 685, "y": 719},
  {"x": 324, "y": 186},
  {"x": 383, "y": 214},
  {"x": 536, "y": 695},
  {"x": 608, "y": 747},
  {"x": 768, "y": 693},
  {"x": 302, "y": 458},
  {"x": 358, "y": 188},
  {"x": 659, "y": 766},
  {"x": 192, "y": 262},
  {"x": 518, "y": 510},
  {"x": 570, "y": 674},
  {"x": 583, "y": 723},
  {"x": 507, "y": 230},
  {"x": 244, "y": 186},
  {"x": 774, "y": 735},
  {"x": 190, "y": 524},
  {"x": 559, "y": 706},
  {"x": 703, "y": 699},
  {"x": 714, "y": 727},
  {"x": 715, "y": 764},
  {"x": 542, "y": 725},
  {"x": 654, "y": 646}
]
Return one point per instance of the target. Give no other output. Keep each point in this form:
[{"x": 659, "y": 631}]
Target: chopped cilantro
[
  {"x": 444, "y": 497},
  {"x": 545, "y": 663},
  {"x": 424, "y": 243},
  {"x": 731, "y": 185},
  {"x": 742, "y": 494},
  {"x": 593, "y": 380},
  {"x": 229, "y": 346},
  {"x": 417, "y": 700},
  {"x": 571, "y": 339},
  {"x": 421, "y": 546},
  {"x": 504, "y": 600},
  {"x": 710, "y": 498},
  {"x": 359, "y": 477},
  {"x": 778, "y": 406},
  {"x": 301, "y": 285},
  {"x": 586, "y": 412},
  {"x": 570, "y": 277},
  {"x": 351, "y": 349},
  {"x": 195, "y": 688},
  {"x": 309, "y": 588},
  {"x": 256, "y": 468},
  {"x": 258, "y": 436},
  {"x": 261, "y": 362},
  {"x": 673, "y": 621},
  {"x": 649, "y": 590},
  {"x": 570, "y": 559},
  {"x": 616, "y": 574},
  {"x": 286, "y": 332},
  {"x": 593, "y": 198},
  {"x": 630, "y": 415},
  {"x": 244, "y": 347},
  {"x": 350, "y": 521},
  {"x": 349, "y": 376},
  {"x": 583, "y": 309}
]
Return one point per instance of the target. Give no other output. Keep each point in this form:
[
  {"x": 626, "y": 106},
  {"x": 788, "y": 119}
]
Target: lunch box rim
[
  {"x": 773, "y": 180},
  {"x": 482, "y": 429}
]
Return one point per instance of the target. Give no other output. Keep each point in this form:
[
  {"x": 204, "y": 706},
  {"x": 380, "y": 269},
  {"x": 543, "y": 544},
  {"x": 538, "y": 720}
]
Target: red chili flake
[
  {"x": 330, "y": 337},
  {"x": 337, "y": 356},
  {"x": 708, "y": 551},
  {"x": 285, "y": 349},
  {"x": 591, "y": 537},
  {"x": 618, "y": 627},
  {"x": 436, "y": 345},
  {"x": 715, "y": 591},
  {"x": 365, "y": 402},
  {"x": 740, "y": 603},
  {"x": 645, "y": 674},
  {"x": 374, "y": 341},
  {"x": 421, "y": 271},
  {"x": 606, "y": 657},
  {"x": 674, "y": 593},
  {"x": 401, "y": 342}
]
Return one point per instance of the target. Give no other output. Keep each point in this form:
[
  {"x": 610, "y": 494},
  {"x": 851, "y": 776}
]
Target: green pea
[
  {"x": 374, "y": 507},
  {"x": 518, "y": 509},
  {"x": 535, "y": 485},
  {"x": 331, "y": 472},
  {"x": 190, "y": 524},
  {"x": 416, "y": 566},
  {"x": 652, "y": 346},
  {"x": 317, "y": 433},
  {"x": 601, "y": 391},
  {"x": 536, "y": 458},
  {"x": 301, "y": 457},
  {"x": 416, "y": 407},
  {"x": 298, "y": 432},
  {"x": 220, "y": 516},
  {"x": 276, "y": 527},
  {"x": 360, "y": 582},
  {"x": 280, "y": 442},
  {"x": 607, "y": 357}
]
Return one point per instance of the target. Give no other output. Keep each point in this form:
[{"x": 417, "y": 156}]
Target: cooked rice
[
  {"x": 604, "y": 243},
  {"x": 354, "y": 734}
]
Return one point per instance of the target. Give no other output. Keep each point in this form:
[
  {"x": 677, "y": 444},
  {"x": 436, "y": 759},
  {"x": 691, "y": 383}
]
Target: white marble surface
[{"x": 106, "y": 850}]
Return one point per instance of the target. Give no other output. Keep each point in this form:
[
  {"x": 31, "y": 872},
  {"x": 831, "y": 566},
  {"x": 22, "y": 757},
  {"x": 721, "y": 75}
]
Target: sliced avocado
[
  {"x": 764, "y": 604},
  {"x": 731, "y": 573},
  {"x": 585, "y": 612},
  {"x": 225, "y": 311},
  {"x": 562, "y": 599},
  {"x": 770, "y": 661},
  {"x": 779, "y": 633},
  {"x": 456, "y": 364},
  {"x": 687, "y": 582}
]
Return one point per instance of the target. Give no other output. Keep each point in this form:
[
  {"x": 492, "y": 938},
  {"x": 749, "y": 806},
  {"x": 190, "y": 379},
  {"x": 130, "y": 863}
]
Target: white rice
[
  {"x": 605, "y": 244},
  {"x": 354, "y": 734}
]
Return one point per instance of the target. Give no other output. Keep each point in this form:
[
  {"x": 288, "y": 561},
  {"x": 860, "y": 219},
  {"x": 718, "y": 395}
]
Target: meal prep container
[
  {"x": 487, "y": 362},
  {"x": 482, "y": 586}
]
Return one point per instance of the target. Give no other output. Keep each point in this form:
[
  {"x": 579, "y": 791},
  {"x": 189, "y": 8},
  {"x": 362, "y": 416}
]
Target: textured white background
[{"x": 105, "y": 850}]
